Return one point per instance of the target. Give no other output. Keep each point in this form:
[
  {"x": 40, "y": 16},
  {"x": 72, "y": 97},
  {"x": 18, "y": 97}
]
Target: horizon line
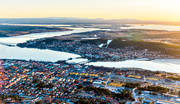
[{"x": 130, "y": 19}]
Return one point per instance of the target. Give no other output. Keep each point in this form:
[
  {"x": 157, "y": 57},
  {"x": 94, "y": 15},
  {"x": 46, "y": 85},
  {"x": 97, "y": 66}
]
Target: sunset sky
[{"x": 158, "y": 10}]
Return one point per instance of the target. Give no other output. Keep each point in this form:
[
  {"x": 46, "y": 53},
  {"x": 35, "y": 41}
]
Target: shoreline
[
  {"x": 91, "y": 51},
  {"x": 64, "y": 62}
]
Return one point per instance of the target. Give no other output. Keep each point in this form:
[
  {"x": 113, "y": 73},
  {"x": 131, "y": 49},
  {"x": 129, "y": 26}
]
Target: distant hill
[{"x": 62, "y": 20}]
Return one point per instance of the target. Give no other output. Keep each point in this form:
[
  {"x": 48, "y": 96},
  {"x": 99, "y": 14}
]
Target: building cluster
[
  {"x": 33, "y": 81},
  {"x": 41, "y": 81},
  {"x": 92, "y": 51}
]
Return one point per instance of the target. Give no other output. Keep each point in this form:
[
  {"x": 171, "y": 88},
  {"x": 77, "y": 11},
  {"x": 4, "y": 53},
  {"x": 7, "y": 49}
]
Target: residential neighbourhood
[{"x": 32, "y": 81}]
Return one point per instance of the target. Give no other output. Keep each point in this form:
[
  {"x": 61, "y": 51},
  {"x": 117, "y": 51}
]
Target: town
[
  {"x": 60, "y": 82},
  {"x": 94, "y": 50},
  {"x": 90, "y": 52}
]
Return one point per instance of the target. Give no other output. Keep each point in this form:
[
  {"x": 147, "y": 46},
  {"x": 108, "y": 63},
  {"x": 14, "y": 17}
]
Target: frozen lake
[
  {"x": 33, "y": 36},
  {"x": 152, "y": 27},
  {"x": 168, "y": 65},
  {"x": 7, "y": 52}
]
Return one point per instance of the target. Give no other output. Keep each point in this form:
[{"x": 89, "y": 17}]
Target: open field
[{"x": 168, "y": 37}]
